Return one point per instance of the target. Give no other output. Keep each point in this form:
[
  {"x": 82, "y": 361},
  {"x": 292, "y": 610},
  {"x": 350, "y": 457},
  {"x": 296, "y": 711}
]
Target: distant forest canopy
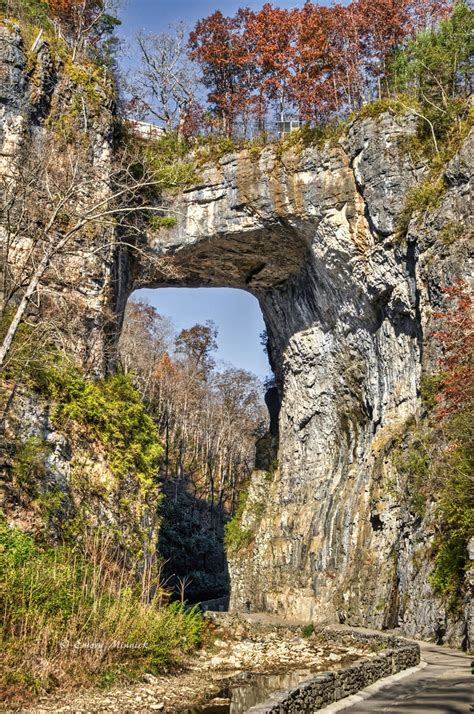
[
  {"x": 312, "y": 64},
  {"x": 235, "y": 76}
]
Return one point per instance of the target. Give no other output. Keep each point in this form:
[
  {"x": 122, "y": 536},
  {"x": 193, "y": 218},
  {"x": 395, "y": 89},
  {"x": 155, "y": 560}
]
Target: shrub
[
  {"x": 372, "y": 110},
  {"x": 454, "y": 231},
  {"x": 414, "y": 464},
  {"x": 109, "y": 410},
  {"x": 30, "y": 464},
  {"x": 420, "y": 199},
  {"x": 211, "y": 149},
  {"x": 56, "y": 601},
  {"x": 156, "y": 222},
  {"x": 307, "y": 630},
  {"x": 236, "y": 537},
  {"x": 170, "y": 159},
  {"x": 455, "y": 507}
]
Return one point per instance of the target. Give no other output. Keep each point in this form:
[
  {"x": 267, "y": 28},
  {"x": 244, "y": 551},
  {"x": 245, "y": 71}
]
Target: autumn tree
[
  {"x": 317, "y": 84},
  {"x": 316, "y": 62},
  {"x": 270, "y": 35},
  {"x": 456, "y": 338},
  {"x": 84, "y": 22},
  {"x": 217, "y": 43},
  {"x": 196, "y": 345}
]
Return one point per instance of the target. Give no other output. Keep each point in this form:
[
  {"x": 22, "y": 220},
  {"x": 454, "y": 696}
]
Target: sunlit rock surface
[{"x": 347, "y": 304}]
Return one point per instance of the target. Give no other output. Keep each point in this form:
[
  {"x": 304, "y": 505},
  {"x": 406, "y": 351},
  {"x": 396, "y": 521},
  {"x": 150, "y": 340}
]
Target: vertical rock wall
[{"x": 347, "y": 304}]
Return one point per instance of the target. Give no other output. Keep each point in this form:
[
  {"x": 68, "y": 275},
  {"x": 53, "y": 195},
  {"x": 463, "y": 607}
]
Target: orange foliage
[
  {"x": 457, "y": 340},
  {"x": 315, "y": 59}
]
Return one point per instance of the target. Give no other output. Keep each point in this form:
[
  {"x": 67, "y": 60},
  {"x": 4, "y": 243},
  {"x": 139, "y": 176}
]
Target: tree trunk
[{"x": 21, "y": 309}]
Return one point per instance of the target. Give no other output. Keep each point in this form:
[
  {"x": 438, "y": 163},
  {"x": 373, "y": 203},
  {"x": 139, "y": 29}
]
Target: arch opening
[{"x": 199, "y": 361}]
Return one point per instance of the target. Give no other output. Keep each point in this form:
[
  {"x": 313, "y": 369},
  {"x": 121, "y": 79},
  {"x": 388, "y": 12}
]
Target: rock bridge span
[{"x": 312, "y": 234}]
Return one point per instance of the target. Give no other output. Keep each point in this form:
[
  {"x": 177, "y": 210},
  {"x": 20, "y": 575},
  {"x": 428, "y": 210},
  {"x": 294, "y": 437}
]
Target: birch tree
[
  {"x": 164, "y": 85},
  {"x": 56, "y": 200}
]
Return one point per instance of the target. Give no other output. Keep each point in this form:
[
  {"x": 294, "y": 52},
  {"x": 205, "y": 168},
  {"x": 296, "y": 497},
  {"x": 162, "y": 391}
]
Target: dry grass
[{"x": 74, "y": 616}]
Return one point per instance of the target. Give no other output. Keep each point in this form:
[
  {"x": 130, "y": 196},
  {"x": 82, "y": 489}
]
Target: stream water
[{"x": 243, "y": 695}]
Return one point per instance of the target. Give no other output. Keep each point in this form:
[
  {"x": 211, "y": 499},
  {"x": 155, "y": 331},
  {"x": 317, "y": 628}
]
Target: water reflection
[{"x": 254, "y": 691}]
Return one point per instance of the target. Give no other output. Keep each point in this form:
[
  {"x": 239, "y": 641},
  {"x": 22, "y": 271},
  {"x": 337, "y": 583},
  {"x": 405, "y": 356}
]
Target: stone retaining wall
[{"x": 328, "y": 687}]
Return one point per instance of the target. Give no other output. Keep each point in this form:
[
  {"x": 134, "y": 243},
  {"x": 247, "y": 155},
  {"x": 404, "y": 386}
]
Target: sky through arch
[{"x": 236, "y": 313}]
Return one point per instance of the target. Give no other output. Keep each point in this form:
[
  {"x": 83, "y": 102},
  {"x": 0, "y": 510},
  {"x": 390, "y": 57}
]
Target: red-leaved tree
[
  {"x": 457, "y": 339},
  {"x": 270, "y": 36},
  {"x": 83, "y": 21},
  {"x": 316, "y": 62},
  {"x": 217, "y": 43}
]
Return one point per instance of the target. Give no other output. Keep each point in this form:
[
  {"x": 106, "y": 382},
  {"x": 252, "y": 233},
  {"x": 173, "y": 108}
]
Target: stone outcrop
[
  {"x": 37, "y": 97},
  {"x": 70, "y": 481},
  {"x": 347, "y": 303}
]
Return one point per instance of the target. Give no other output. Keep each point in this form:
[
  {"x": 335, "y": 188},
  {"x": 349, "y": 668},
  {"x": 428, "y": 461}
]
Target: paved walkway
[{"x": 444, "y": 686}]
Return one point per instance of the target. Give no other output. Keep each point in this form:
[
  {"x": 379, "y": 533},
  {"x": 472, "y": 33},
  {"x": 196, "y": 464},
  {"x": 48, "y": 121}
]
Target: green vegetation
[
  {"x": 430, "y": 386},
  {"x": 30, "y": 464},
  {"x": 431, "y": 77},
  {"x": 116, "y": 448},
  {"x": 307, "y": 136},
  {"x": 455, "y": 471},
  {"x": 307, "y": 630},
  {"x": 156, "y": 222},
  {"x": 72, "y": 615},
  {"x": 454, "y": 231},
  {"x": 435, "y": 69},
  {"x": 372, "y": 110},
  {"x": 420, "y": 199},
  {"x": 211, "y": 149},
  {"x": 169, "y": 156},
  {"x": 236, "y": 538},
  {"x": 31, "y": 12},
  {"x": 108, "y": 411},
  {"x": 436, "y": 465},
  {"x": 435, "y": 461},
  {"x": 413, "y": 463}
]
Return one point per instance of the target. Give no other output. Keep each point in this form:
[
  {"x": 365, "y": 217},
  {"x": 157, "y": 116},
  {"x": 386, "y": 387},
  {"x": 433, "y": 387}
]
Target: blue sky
[
  {"x": 236, "y": 313},
  {"x": 157, "y": 15}
]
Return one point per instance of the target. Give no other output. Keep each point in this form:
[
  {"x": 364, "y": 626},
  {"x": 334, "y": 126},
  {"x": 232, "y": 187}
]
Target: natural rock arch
[
  {"x": 299, "y": 232},
  {"x": 312, "y": 234}
]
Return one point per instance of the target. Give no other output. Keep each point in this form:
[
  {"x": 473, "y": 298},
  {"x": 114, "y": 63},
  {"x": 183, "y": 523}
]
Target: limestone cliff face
[
  {"x": 38, "y": 97},
  {"x": 347, "y": 304},
  {"x": 70, "y": 485}
]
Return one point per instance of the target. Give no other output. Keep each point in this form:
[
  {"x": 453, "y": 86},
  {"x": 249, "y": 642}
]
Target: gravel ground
[{"x": 207, "y": 673}]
